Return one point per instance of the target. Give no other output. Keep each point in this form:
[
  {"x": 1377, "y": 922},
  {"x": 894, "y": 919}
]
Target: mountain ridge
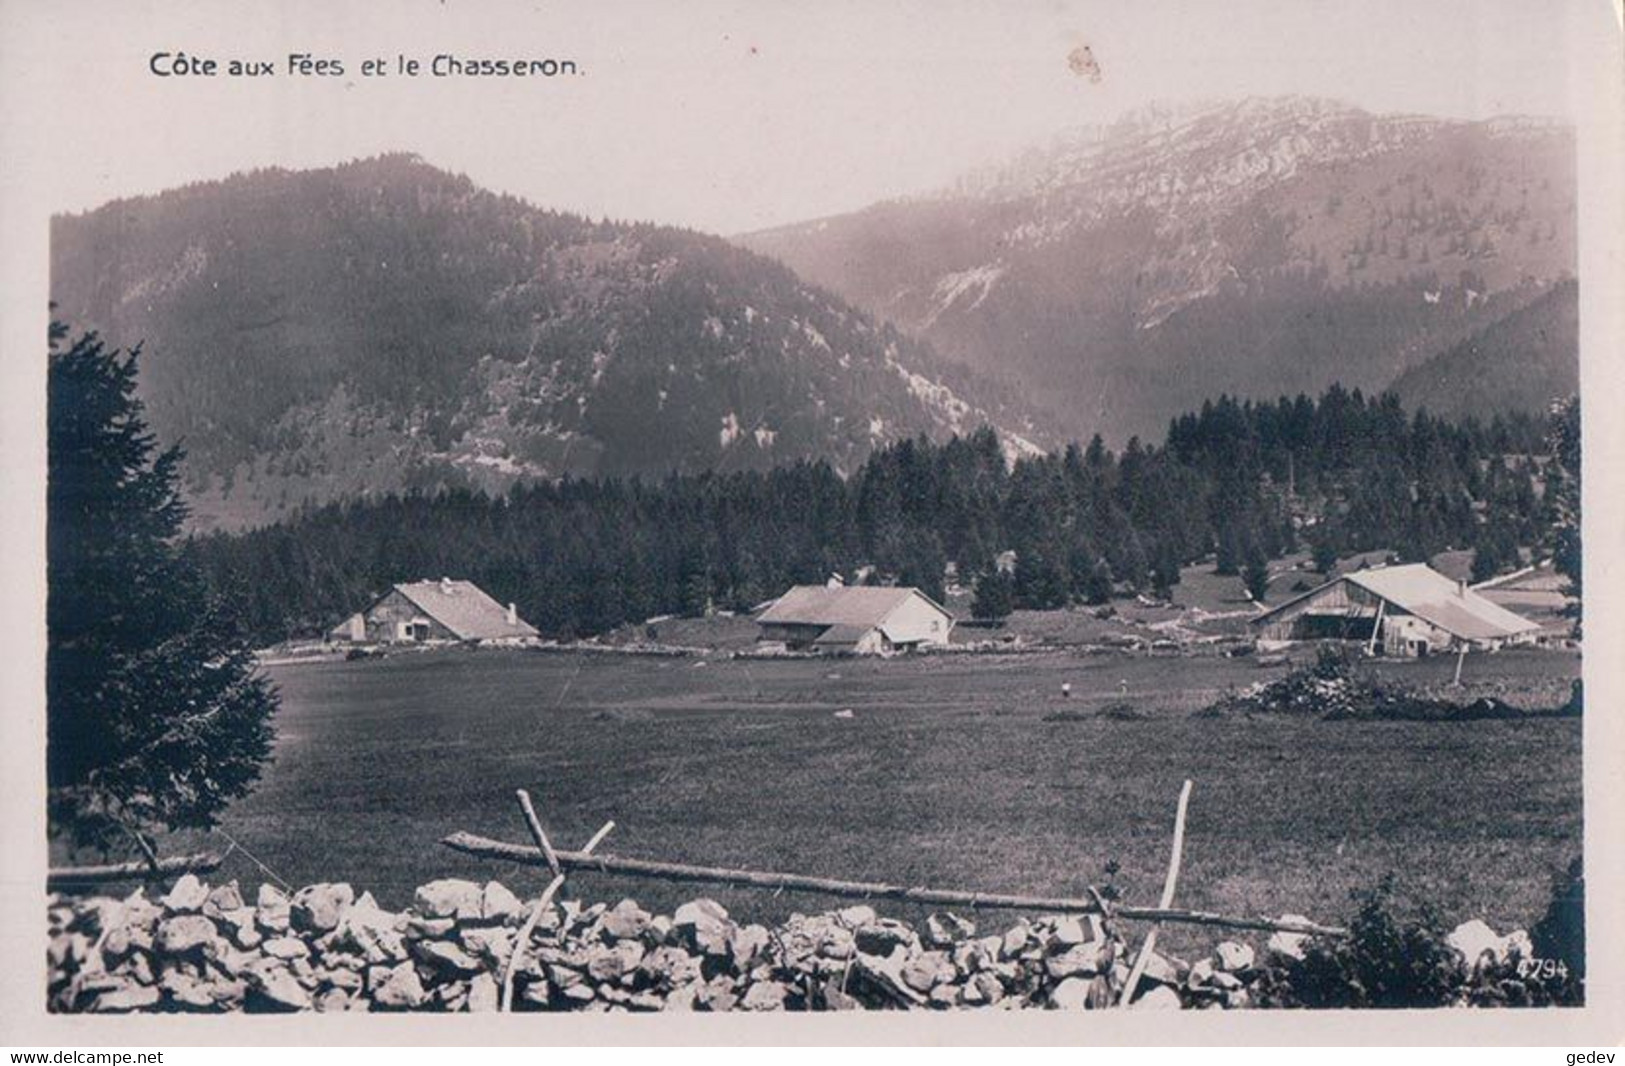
[
  {"x": 1127, "y": 271},
  {"x": 385, "y": 325}
]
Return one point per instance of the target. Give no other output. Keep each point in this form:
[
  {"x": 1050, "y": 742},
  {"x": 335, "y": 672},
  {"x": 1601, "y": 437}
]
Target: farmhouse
[
  {"x": 427, "y": 611},
  {"x": 1405, "y": 610},
  {"x": 860, "y": 620}
]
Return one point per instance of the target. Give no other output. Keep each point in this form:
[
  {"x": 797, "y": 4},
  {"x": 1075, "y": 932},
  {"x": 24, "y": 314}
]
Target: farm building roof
[
  {"x": 1432, "y": 597},
  {"x": 465, "y": 609},
  {"x": 862, "y": 607}
]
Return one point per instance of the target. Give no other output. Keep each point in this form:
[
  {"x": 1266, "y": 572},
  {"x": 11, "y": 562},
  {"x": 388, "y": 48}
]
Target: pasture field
[{"x": 947, "y": 773}]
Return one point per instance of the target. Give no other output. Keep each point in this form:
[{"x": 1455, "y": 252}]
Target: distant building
[
  {"x": 863, "y": 620},
  {"x": 429, "y": 611},
  {"x": 1412, "y": 610}
]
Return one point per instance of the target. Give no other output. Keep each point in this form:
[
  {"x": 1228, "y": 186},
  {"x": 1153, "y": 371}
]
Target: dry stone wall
[{"x": 323, "y": 948}]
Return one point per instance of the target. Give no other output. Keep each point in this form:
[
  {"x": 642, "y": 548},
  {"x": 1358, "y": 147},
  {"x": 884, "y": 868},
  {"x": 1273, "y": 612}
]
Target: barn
[
  {"x": 1407, "y": 610},
  {"x": 862, "y": 620},
  {"x": 432, "y": 611}
]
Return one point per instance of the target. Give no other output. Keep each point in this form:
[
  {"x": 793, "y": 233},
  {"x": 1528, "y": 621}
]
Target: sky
[{"x": 728, "y": 116}]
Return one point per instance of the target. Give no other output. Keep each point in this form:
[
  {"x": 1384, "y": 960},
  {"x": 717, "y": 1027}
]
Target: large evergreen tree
[{"x": 156, "y": 716}]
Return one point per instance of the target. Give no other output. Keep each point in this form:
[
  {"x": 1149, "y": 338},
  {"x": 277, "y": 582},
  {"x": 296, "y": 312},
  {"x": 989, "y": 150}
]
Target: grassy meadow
[{"x": 946, "y": 774}]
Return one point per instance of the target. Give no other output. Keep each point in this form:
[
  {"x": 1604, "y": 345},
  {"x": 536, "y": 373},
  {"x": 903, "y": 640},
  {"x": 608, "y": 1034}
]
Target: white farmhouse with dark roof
[
  {"x": 428, "y": 611},
  {"x": 1406, "y": 610},
  {"x": 861, "y": 620}
]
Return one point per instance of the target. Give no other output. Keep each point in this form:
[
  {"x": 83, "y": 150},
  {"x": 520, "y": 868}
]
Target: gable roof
[
  {"x": 1432, "y": 597},
  {"x": 465, "y": 609},
  {"x": 863, "y": 607}
]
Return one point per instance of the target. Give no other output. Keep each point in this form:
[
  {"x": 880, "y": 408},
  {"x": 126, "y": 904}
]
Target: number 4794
[{"x": 1542, "y": 969}]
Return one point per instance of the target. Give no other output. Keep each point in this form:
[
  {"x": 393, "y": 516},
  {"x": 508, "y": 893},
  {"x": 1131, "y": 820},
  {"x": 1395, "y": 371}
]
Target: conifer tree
[{"x": 156, "y": 714}]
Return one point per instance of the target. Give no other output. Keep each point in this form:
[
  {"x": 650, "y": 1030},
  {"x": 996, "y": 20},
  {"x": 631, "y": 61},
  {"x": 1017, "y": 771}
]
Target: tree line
[{"x": 1241, "y": 481}]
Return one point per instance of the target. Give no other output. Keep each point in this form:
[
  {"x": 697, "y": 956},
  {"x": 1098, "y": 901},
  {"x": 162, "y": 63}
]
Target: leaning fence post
[
  {"x": 1150, "y": 944},
  {"x": 522, "y": 941}
]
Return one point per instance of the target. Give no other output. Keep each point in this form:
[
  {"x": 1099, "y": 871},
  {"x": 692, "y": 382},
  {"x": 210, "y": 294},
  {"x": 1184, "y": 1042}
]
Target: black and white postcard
[{"x": 933, "y": 521}]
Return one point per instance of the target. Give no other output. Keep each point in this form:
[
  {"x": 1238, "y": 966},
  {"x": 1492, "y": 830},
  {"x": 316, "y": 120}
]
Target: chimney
[
  {"x": 1461, "y": 588},
  {"x": 445, "y": 586},
  {"x": 513, "y": 614}
]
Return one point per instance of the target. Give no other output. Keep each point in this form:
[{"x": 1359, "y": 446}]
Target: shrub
[{"x": 1389, "y": 960}]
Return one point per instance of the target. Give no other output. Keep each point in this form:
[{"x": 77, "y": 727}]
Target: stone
[
  {"x": 483, "y": 994},
  {"x": 1232, "y": 956},
  {"x": 1161, "y": 970},
  {"x": 319, "y": 908},
  {"x": 446, "y": 958},
  {"x": 396, "y": 988},
  {"x": 430, "y": 928},
  {"x": 703, "y": 925},
  {"x": 670, "y": 967},
  {"x": 625, "y": 921},
  {"x": 991, "y": 989},
  {"x": 370, "y": 932},
  {"x": 116, "y": 945},
  {"x": 286, "y": 948},
  {"x": 187, "y": 896},
  {"x": 750, "y": 944},
  {"x": 582, "y": 993},
  {"x": 224, "y": 898},
  {"x": 853, "y": 917},
  {"x": 883, "y": 936},
  {"x": 536, "y": 994},
  {"x": 449, "y": 898},
  {"x": 492, "y": 943},
  {"x": 1201, "y": 974},
  {"x": 1159, "y": 998},
  {"x": 1288, "y": 945},
  {"x": 349, "y": 980},
  {"x": 765, "y": 996},
  {"x": 1474, "y": 940},
  {"x": 187, "y": 934},
  {"x": 139, "y": 912},
  {"x": 125, "y": 998},
  {"x": 1071, "y": 994},
  {"x": 1084, "y": 960},
  {"x": 451, "y": 996},
  {"x": 271, "y": 909},
  {"x": 696, "y": 911},
  {"x": 944, "y": 996},
  {"x": 716, "y": 995},
  {"x": 1070, "y": 931},
  {"x": 944, "y": 929},
  {"x": 886, "y": 974},
  {"x": 925, "y": 971},
  {"x": 335, "y": 1001},
  {"x": 609, "y": 963},
  {"x": 275, "y": 988},
  {"x": 1015, "y": 941},
  {"x": 186, "y": 992},
  {"x": 837, "y": 942},
  {"x": 497, "y": 904},
  {"x": 645, "y": 1002}
]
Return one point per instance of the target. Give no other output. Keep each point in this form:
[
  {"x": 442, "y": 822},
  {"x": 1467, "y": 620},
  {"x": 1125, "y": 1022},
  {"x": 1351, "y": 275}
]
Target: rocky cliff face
[{"x": 1127, "y": 272}]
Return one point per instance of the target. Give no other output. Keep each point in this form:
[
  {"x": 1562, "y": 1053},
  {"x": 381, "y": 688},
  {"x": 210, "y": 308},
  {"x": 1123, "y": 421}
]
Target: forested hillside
[
  {"x": 1521, "y": 362},
  {"x": 1247, "y": 481},
  {"x": 385, "y": 326}
]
